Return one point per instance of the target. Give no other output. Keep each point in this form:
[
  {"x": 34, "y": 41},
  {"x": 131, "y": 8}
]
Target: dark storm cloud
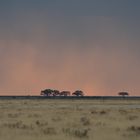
[{"x": 95, "y": 7}]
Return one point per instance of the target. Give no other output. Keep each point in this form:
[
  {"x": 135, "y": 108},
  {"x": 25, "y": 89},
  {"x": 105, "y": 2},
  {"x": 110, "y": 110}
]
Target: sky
[{"x": 89, "y": 45}]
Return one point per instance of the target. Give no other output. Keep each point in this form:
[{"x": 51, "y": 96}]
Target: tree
[
  {"x": 46, "y": 92},
  {"x": 65, "y": 93},
  {"x": 56, "y": 92},
  {"x": 123, "y": 94},
  {"x": 78, "y": 93}
]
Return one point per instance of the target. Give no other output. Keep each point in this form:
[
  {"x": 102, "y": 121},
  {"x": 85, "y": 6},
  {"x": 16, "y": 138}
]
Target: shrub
[
  {"x": 135, "y": 129},
  {"x": 81, "y": 133},
  {"x": 85, "y": 121},
  {"x": 49, "y": 131}
]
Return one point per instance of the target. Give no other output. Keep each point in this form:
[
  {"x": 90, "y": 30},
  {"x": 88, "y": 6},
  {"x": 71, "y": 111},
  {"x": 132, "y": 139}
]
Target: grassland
[{"x": 69, "y": 119}]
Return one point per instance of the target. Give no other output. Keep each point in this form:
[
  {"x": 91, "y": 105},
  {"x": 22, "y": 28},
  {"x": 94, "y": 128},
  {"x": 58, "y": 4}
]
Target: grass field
[{"x": 69, "y": 119}]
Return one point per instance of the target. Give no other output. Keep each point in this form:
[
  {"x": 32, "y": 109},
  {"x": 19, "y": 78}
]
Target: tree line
[{"x": 51, "y": 92}]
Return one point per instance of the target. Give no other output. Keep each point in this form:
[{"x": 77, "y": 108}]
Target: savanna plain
[{"x": 60, "y": 119}]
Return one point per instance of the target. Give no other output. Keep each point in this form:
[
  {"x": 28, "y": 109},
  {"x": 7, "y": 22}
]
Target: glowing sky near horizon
[{"x": 92, "y": 45}]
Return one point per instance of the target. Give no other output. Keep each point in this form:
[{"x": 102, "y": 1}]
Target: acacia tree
[
  {"x": 78, "y": 93},
  {"x": 56, "y": 92},
  {"x": 46, "y": 92},
  {"x": 123, "y": 94},
  {"x": 65, "y": 93}
]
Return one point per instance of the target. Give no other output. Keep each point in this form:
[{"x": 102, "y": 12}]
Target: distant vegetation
[
  {"x": 123, "y": 94},
  {"x": 51, "y": 92}
]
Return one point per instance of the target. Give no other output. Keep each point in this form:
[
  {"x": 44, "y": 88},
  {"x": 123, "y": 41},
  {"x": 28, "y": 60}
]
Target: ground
[{"x": 69, "y": 119}]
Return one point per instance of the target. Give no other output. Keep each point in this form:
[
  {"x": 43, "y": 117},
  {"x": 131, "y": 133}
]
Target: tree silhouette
[
  {"x": 56, "y": 92},
  {"x": 65, "y": 93},
  {"x": 123, "y": 94},
  {"x": 78, "y": 93},
  {"x": 47, "y": 92}
]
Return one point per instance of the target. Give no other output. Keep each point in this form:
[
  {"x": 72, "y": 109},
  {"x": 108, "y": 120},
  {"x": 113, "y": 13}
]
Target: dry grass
[{"x": 69, "y": 120}]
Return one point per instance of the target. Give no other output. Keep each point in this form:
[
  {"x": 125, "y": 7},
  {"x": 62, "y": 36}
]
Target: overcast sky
[{"x": 91, "y": 45}]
